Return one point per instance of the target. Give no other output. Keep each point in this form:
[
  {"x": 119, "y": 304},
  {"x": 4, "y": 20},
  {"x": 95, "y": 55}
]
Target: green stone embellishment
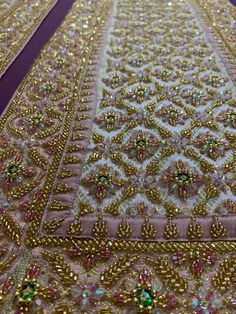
[
  {"x": 36, "y": 120},
  {"x": 144, "y": 298},
  {"x": 141, "y": 143},
  {"x": 183, "y": 177},
  {"x": 47, "y": 87},
  {"x": 103, "y": 180},
  {"x": 12, "y": 170},
  {"x": 110, "y": 118},
  {"x": 27, "y": 292}
]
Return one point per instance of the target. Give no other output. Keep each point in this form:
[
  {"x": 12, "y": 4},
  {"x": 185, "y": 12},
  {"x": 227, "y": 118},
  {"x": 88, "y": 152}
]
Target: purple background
[{"x": 17, "y": 71}]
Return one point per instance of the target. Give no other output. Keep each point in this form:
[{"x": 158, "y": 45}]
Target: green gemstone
[
  {"x": 27, "y": 292},
  {"x": 13, "y": 169},
  {"x": 35, "y": 120},
  {"x": 110, "y": 118},
  {"x": 46, "y": 87},
  {"x": 141, "y": 143},
  {"x": 85, "y": 294},
  {"x": 209, "y": 142},
  {"x": 104, "y": 180},
  {"x": 183, "y": 177},
  {"x": 145, "y": 297}
]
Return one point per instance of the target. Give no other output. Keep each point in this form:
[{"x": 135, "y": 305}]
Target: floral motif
[
  {"x": 228, "y": 117},
  {"x": 111, "y": 120},
  {"x": 141, "y": 146},
  {"x": 103, "y": 182},
  {"x": 184, "y": 64},
  {"x": 115, "y": 80},
  {"x": 140, "y": 94},
  {"x": 196, "y": 97},
  {"x": 117, "y": 52},
  {"x": 35, "y": 122},
  {"x": 181, "y": 181},
  {"x": 144, "y": 296},
  {"x": 172, "y": 115},
  {"x": 211, "y": 146},
  {"x": 165, "y": 75},
  {"x": 26, "y": 292},
  {"x": 42, "y": 88},
  {"x": 137, "y": 60},
  {"x": 214, "y": 80},
  {"x": 14, "y": 171}
]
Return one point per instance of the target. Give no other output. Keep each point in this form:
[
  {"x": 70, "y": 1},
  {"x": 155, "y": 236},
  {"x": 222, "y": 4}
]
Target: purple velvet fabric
[{"x": 17, "y": 71}]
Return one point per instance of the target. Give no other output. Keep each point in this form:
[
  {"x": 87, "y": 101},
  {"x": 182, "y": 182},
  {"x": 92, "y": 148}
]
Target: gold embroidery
[
  {"x": 123, "y": 267},
  {"x": 18, "y": 17}
]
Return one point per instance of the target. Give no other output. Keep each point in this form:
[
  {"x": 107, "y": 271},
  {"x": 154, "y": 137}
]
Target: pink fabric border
[
  {"x": 225, "y": 58},
  {"x": 159, "y": 224},
  {"x": 74, "y": 181}
]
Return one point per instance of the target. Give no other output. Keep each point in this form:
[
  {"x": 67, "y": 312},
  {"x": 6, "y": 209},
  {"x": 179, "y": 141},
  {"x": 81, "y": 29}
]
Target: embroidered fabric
[
  {"x": 117, "y": 164},
  {"x": 21, "y": 15}
]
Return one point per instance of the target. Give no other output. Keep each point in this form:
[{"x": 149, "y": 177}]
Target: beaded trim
[
  {"x": 8, "y": 8},
  {"x": 213, "y": 16},
  {"x": 18, "y": 17}
]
